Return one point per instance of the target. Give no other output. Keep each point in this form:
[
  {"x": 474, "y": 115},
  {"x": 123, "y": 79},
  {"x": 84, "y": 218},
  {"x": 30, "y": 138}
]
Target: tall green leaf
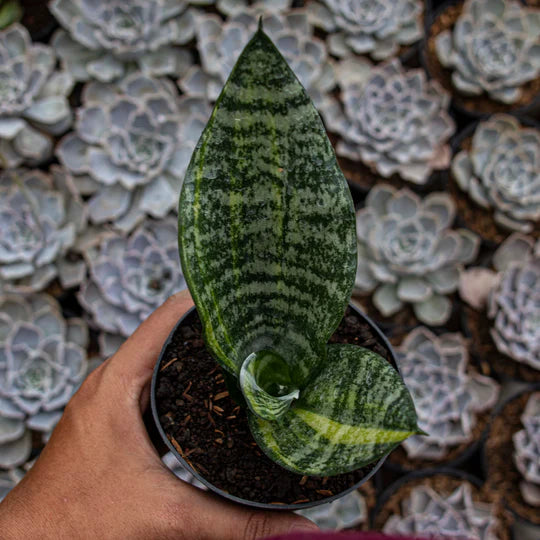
[
  {"x": 268, "y": 247},
  {"x": 267, "y": 238}
]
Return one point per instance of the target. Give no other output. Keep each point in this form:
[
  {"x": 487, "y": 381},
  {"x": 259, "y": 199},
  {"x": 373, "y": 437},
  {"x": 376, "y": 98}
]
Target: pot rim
[{"x": 234, "y": 498}]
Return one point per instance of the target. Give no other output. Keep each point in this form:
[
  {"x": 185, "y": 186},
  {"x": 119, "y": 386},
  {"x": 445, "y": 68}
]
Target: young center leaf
[
  {"x": 354, "y": 412},
  {"x": 268, "y": 247}
]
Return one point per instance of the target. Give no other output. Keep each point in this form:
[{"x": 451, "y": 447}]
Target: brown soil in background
[
  {"x": 503, "y": 478},
  {"x": 492, "y": 362},
  {"x": 211, "y": 431},
  {"x": 475, "y": 104},
  {"x": 444, "y": 484}
]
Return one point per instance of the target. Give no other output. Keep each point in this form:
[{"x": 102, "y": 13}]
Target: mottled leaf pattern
[
  {"x": 268, "y": 247},
  {"x": 355, "y": 411},
  {"x": 267, "y": 236}
]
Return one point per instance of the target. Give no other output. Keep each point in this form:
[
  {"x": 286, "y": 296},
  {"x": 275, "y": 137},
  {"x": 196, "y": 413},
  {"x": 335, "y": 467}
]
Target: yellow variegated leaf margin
[
  {"x": 266, "y": 221},
  {"x": 356, "y": 411}
]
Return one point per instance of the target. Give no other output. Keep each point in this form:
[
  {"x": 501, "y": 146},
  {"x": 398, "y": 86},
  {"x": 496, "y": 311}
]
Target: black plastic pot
[
  {"x": 234, "y": 498},
  {"x": 531, "y": 109}
]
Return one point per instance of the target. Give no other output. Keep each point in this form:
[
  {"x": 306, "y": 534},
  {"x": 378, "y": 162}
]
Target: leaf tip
[
  {"x": 421, "y": 432},
  {"x": 260, "y": 26}
]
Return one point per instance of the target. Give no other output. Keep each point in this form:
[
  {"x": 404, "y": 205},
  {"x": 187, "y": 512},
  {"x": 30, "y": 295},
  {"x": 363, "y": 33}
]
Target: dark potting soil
[
  {"x": 475, "y": 104},
  {"x": 210, "y": 430},
  {"x": 444, "y": 484},
  {"x": 493, "y": 362},
  {"x": 503, "y": 477}
]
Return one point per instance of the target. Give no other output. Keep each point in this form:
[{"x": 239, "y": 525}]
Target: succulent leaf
[
  {"x": 405, "y": 244},
  {"x": 257, "y": 200},
  {"x": 527, "y": 451},
  {"x": 431, "y": 514},
  {"x": 33, "y": 99},
  {"x": 394, "y": 120},
  {"x": 377, "y": 27},
  {"x": 446, "y": 394},
  {"x": 104, "y": 39},
  {"x": 493, "y": 48},
  {"x": 267, "y": 243},
  {"x": 501, "y": 171},
  {"x": 355, "y": 411}
]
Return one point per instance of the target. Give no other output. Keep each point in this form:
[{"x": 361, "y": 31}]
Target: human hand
[{"x": 100, "y": 477}]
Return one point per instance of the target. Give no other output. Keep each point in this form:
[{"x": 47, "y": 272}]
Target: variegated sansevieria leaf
[
  {"x": 268, "y": 247},
  {"x": 354, "y": 412},
  {"x": 267, "y": 227}
]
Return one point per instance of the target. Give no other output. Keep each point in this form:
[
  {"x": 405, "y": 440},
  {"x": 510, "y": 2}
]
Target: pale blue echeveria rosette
[
  {"x": 130, "y": 148},
  {"x": 501, "y": 171},
  {"x": 375, "y": 27},
  {"x": 33, "y": 99},
  {"x": 408, "y": 252},
  {"x": 393, "y": 119},
  {"x": 494, "y": 48},
  {"x": 41, "y": 219},
  {"x": 129, "y": 277},
  {"x": 107, "y": 39},
  {"x": 42, "y": 363}
]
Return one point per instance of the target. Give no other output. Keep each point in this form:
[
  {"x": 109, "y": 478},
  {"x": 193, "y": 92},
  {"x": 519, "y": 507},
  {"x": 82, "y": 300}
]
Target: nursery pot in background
[{"x": 370, "y": 337}]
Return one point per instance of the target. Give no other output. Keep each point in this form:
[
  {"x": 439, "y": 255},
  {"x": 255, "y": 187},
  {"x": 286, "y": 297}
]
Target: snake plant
[{"x": 268, "y": 248}]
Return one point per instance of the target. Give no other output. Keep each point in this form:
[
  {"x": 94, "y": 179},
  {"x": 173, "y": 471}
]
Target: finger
[
  {"x": 136, "y": 358},
  {"x": 237, "y": 522}
]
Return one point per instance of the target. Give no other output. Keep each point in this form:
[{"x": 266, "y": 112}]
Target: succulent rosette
[
  {"x": 493, "y": 48},
  {"x": 527, "y": 451},
  {"x": 106, "y": 39},
  {"x": 408, "y": 253},
  {"x": 41, "y": 217},
  {"x": 42, "y": 363},
  {"x": 220, "y": 43},
  {"x": 514, "y": 307},
  {"x": 33, "y": 99},
  {"x": 447, "y": 396},
  {"x": 130, "y": 148},
  {"x": 427, "y": 513},
  {"x": 501, "y": 171},
  {"x": 375, "y": 27},
  {"x": 129, "y": 278},
  {"x": 394, "y": 120}
]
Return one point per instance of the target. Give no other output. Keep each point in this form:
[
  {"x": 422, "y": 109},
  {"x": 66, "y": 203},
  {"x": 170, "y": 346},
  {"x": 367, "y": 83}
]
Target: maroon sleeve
[{"x": 338, "y": 536}]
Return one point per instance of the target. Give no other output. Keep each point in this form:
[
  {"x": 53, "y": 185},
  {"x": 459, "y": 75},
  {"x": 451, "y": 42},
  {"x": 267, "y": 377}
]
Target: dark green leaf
[
  {"x": 10, "y": 12},
  {"x": 356, "y": 411},
  {"x": 267, "y": 236}
]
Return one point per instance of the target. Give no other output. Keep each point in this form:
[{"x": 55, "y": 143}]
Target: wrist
[{"x": 21, "y": 518}]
